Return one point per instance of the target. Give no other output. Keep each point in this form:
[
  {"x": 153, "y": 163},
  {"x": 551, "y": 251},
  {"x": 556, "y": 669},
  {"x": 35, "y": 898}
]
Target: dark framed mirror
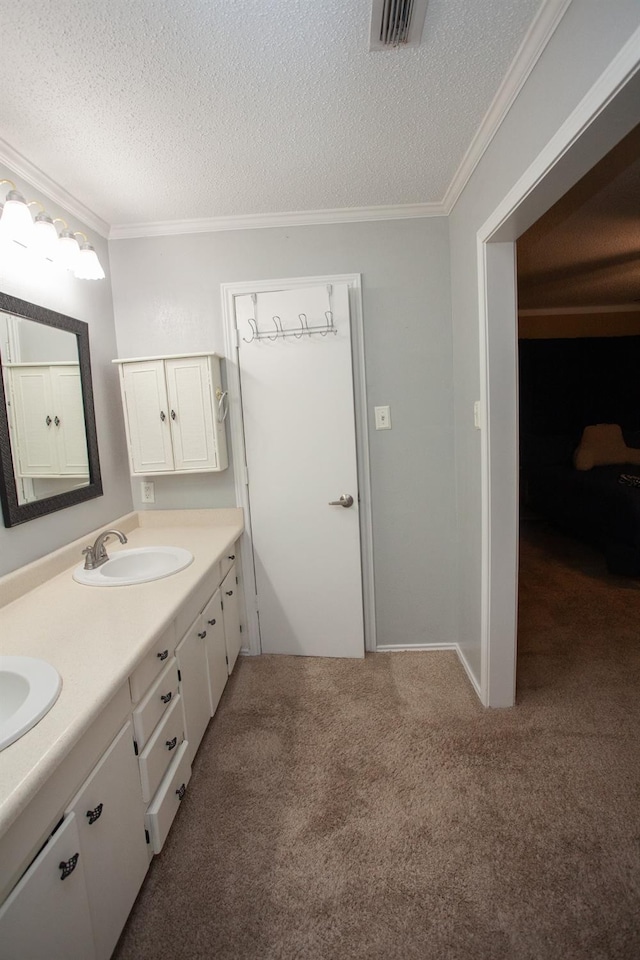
[{"x": 48, "y": 442}]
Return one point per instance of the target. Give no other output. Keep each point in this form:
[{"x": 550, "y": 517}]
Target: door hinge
[
  {"x": 179, "y": 677},
  {"x": 135, "y": 747},
  {"x": 240, "y": 628},
  {"x": 246, "y": 475},
  {"x": 236, "y": 338},
  {"x": 146, "y": 833},
  {"x": 222, "y": 604},
  {"x": 227, "y": 659},
  {"x": 237, "y": 581}
]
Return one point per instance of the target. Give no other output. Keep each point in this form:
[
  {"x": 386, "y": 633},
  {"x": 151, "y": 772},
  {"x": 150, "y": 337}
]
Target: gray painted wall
[
  {"x": 167, "y": 299},
  {"x": 589, "y": 36},
  {"x": 90, "y": 301}
]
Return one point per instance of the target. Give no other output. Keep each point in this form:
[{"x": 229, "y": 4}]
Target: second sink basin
[
  {"x": 138, "y": 565},
  {"x": 29, "y": 687}
]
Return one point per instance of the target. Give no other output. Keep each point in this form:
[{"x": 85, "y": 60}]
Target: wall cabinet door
[
  {"x": 69, "y": 419},
  {"x": 47, "y": 913},
  {"x": 194, "y": 684},
  {"x": 231, "y": 617},
  {"x": 216, "y": 650},
  {"x": 191, "y": 413},
  {"x": 147, "y": 416},
  {"x": 109, "y": 811}
]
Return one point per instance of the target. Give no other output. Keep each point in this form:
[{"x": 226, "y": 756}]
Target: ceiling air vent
[{"x": 397, "y": 23}]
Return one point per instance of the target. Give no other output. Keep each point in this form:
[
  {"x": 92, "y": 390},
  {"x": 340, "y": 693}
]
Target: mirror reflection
[{"x": 43, "y": 391}]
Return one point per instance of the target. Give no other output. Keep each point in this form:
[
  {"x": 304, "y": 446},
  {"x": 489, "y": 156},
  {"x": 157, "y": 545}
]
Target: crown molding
[
  {"x": 535, "y": 40},
  {"x": 167, "y": 228},
  {"x": 36, "y": 178}
]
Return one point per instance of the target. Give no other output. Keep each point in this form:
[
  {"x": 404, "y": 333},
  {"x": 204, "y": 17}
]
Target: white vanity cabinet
[
  {"x": 191, "y": 655},
  {"x": 48, "y": 420},
  {"x": 47, "y": 914},
  {"x": 174, "y": 414},
  {"x": 231, "y": 617},
  {"x": 75, "y": 897},
  {"x": 109, "y": 811}
]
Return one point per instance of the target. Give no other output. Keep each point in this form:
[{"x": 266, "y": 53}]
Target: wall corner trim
[{"x": 535, "y": 40}]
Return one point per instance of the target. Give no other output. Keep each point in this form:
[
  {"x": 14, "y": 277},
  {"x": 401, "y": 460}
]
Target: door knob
[{"x": 346, "y": 500}]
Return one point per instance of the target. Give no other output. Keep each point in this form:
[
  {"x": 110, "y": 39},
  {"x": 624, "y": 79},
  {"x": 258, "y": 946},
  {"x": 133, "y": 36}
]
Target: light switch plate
[{"x": 383, "y": 418}]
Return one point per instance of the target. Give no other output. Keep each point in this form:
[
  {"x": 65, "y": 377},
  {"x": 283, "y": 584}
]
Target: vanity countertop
[{"x": 94, "y": 636}]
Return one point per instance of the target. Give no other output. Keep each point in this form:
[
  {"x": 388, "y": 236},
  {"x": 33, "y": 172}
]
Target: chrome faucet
[{"x": 96, "y": 555}]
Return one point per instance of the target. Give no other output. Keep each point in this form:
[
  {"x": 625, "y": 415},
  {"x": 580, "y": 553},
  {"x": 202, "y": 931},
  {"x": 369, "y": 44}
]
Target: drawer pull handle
[
  {"x": 163, "y": 655},
  {"x": 93, "y": 815},
  {"x": 165, "y": 697},
  {"x": 171, "y": 743},
  {"x": 232, "y": 557},
  {"x": 163, "y": 416},
  {"x": 68, "y": 866},
  {"x": 229, "y": 593},
  {"x": 180, "y": 792},
  {"x": 203, "y": 634},
  {"x": 212, "y": 623}
]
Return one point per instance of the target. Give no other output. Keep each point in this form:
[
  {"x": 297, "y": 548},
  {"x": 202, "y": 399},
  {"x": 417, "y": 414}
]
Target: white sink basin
[
  {"x": 139, "y": 565},
  {"x": 28, "y": 689}
]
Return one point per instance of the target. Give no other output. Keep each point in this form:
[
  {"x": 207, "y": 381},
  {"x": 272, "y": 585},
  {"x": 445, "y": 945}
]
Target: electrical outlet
[
  {"x": 147, "y": 491},
  {"x": 383, "y": 418}
]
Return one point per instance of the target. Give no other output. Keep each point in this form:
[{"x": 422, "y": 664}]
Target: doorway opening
[{"x": 599, "y": 122}]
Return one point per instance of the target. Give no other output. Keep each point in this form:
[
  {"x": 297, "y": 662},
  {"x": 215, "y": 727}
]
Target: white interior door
[{"x": 298, "y": 414}]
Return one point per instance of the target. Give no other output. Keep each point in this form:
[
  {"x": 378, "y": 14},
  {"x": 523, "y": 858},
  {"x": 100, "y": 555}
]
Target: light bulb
[
  {"x": 67, "y": 250},
  {"x": 88, "y": 267},
  {"x": 16, "y": 223},
  {"x": 45, "y": 237}
]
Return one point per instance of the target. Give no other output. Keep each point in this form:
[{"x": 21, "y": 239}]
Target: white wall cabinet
[
  {"x": 174, "y": 417},
  {"x": 47, "y": 415}
]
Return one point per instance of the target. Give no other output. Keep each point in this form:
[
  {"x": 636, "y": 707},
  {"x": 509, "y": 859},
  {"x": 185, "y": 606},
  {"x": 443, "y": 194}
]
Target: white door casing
[{"x": 353, "y": 293}]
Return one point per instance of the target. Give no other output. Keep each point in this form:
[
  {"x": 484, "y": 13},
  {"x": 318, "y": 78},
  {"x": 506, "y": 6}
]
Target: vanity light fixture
[
  {"x": 16, "y": 223},
  {"x": 40, "y": 235}
]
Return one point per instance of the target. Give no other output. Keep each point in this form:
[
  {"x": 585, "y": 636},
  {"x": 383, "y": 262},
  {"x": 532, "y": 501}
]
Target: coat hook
[{"x": 254, "y": 331}]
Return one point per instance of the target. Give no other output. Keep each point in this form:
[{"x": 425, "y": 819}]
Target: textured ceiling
[
  {"x": 151, "y": 110},
  {"x": 585, "y": 250}
]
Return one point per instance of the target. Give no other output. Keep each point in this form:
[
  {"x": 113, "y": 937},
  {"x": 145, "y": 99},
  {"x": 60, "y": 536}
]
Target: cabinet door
[
  {"x": 216, "y": 650},
  {"x": 68, "y": 419},
  {"x": 147, "y": 416},
  {"x": 231, "y": 617},
  {"x": 110, "y": 814},
  {"x": 35, "y": 431},
  {"x": 194, "y": 684},
  {"x": 191, "y": 412},
  {"x": 47, "y": 913}
]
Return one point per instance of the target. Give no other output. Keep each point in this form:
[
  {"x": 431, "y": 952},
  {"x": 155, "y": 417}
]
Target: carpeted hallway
[{"x": 375, "y": 810}]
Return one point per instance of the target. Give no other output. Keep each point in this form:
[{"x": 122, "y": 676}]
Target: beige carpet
[{"x": 344, "y": 810}]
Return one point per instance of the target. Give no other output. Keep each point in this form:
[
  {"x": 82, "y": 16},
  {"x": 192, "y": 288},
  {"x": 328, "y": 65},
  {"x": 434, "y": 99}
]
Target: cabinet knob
[
  {"x": 232, "y": 557},
  {"x": 173, "y": 415},
  {"x": 229, "y": 593},
  {"x": 165, "y": 697},
  {"x": 212, "y": 623},
  {"x": 93, "y": 815},
  {"x": 180, "y": 792},
  {"x": 163, "y": 655},
  {"x": 68, "y": 866},
  {"x": 203, "y": 634},
  {"x": 56, "y": 420},
  {"x": 163, "y": 416},
  {"x": 171, "y": 743},
  {"x": 48, "y": 421}
]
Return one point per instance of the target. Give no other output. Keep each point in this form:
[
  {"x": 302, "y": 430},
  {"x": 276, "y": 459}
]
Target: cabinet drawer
[
  {"x": 146, "y": 671},
  {"x": 161, "y": 748},
  {"x": 227, "y": 560},
  {"x": 154, "y": 704},
  {"x": 166, "y": 802}
]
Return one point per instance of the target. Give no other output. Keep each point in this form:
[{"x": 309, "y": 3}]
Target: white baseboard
[{"x": 409, "y": 647}]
